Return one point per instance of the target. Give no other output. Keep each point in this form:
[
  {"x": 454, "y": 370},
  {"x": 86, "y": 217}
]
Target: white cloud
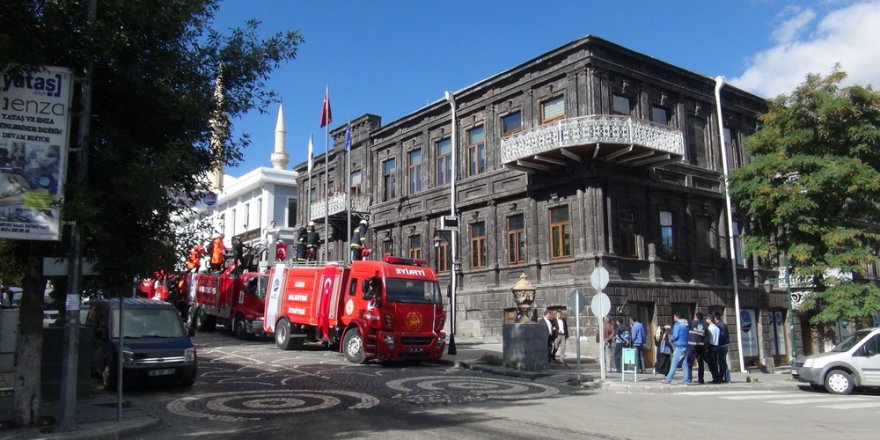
[
  {"x": 849, "y": 35},
  {"x": 793, "y": 26}
]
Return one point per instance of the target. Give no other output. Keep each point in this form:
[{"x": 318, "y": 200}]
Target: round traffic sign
[
  {"x": 599, "y": 278},
  {"x": 600, "y": 304}
]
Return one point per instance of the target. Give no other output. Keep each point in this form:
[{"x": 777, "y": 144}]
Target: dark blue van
[{"x": 156, "y": 348}]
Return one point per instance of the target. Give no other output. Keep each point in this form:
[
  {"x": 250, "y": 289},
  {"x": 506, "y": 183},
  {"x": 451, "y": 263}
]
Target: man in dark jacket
[
  {"x": 301, "y": 243},
  {"x": 721, "y": 352},
  {"x": 621, "y": 341},
  {"x": 698, "y": 337}
]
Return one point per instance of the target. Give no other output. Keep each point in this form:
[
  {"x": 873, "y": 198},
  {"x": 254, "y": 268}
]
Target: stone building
[{"x": 588, "y": 155}]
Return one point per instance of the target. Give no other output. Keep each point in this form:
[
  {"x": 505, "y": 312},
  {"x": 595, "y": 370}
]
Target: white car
[{"x": 855, "y": 362}]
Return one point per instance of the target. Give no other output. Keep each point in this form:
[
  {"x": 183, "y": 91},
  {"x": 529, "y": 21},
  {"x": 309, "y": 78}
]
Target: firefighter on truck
[{"x": 385, "y": 310}]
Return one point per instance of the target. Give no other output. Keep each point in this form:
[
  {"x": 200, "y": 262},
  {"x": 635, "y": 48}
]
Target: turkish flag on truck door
[{"x": 327, "y": 280}]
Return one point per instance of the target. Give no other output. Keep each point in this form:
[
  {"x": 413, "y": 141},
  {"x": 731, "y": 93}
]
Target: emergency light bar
[{"x": 404, "y": 261}]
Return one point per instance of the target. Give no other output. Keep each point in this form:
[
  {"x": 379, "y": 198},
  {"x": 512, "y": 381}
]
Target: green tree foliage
[
  {"x": 154, "y": 68},
  {"x": 812, "y": 192}
]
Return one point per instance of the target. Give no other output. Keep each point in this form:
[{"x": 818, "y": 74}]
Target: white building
[{"x": 247, "y": 205}]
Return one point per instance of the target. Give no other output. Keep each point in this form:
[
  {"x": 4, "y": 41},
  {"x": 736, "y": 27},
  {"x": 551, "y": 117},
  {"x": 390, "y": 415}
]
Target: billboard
[{"x": 34, "y": 133}]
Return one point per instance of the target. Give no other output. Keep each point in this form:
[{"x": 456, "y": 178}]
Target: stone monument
[{"x": 524, "y": 343}]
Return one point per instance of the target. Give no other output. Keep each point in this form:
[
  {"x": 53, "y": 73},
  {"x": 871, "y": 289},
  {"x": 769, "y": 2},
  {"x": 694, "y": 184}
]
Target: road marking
[
  {"x": 852, "y": 405},
  {"x": 724, "y": 393},
  {"x": 816, "y": 400},
  {"x": 762, "y": 396}
]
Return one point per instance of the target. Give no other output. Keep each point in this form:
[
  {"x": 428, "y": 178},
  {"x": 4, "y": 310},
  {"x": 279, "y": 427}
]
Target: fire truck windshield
[{"x": 412, "y": 291}]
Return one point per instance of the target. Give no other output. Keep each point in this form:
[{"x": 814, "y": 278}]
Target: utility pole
[{"x": 72, "y": 302}]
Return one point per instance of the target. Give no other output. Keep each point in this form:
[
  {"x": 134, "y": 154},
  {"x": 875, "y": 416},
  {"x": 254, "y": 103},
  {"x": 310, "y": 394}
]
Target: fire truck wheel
[
  {"x": 353, "y": 347},
  {"x": 204, "y": 323},
  {"x": 282, "y": 335},
  {"x": 239, "y": 327},
  {"x": 108, "y": 375}
]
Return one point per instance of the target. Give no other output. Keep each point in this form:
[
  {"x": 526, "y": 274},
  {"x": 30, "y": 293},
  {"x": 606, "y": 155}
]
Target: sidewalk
[
  {"x": 96, "y": 418},
  {"x": 479, "y": 354}
]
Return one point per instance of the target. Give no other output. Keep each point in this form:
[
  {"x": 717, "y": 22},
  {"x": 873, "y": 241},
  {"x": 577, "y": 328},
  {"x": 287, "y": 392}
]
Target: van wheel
[
  {"x": 282, "y": 335},
  {"x": 353, "y": 347},
  {"x": 838, "y": 382},
  {"x": 108, "y": 375},
  {"x": 239, "y": 327}
]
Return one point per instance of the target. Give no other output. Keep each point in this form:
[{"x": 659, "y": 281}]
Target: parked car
[
  {"x": 853, "y": 363},
  {"x": 156, "y": 348}
]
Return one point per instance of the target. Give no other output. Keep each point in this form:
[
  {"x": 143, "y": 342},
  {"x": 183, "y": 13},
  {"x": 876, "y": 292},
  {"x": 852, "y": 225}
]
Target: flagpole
[
  {"x": 348, "y": 186},
  {"x": 309, "y": 170},
  {"x": 326, "y": 188}
]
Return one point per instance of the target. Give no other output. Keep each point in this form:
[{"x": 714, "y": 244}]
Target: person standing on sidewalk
[
  {"x": 697, "y": 338},
  {"x": 550, "y": 321},
  {"x": 721, "y": 353},
  {"x": 679, "y": 340},
  {"x": 623, "y": 339},
  {"x": 562, "y": 335},
  {"x": 664, "y": 351},
  {"x": 638, "y": 342},
  {"x": 609, "y": 342},
  {"x": 711, "y": 348}
]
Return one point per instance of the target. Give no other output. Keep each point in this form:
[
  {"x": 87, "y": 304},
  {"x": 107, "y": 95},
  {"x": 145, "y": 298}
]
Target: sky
[{"x": 393, "y": 57}]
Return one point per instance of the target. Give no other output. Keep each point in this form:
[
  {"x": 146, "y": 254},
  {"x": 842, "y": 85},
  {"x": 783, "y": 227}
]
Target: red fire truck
[
  {"x": 233, "y": 298},
  {"x": 385, "y": 310}
]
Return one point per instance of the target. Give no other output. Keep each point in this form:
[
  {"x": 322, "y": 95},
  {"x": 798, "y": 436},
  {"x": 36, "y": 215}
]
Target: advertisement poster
[
  {"x": 777, "y": 332},
  {"x": 749, "y": 332},
  {"x": 34, "y": 132}
]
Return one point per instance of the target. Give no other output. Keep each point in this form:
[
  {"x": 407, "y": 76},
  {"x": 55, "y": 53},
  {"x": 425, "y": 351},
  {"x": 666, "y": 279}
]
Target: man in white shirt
[
  {"x": 550, "y": 321},
  {"x": 712, "y": 348}
]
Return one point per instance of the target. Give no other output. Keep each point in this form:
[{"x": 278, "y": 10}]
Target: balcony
[
  {"x": 620, "y": 139},
  {"x": 335, "y": 206}
]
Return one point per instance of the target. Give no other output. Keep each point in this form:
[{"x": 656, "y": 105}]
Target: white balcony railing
[
  {"x": 590, "y": 130},
  {"x": 336, "y": 205}
]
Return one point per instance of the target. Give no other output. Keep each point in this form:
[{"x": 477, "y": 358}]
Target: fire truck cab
[{"x": 386, "y": 310}]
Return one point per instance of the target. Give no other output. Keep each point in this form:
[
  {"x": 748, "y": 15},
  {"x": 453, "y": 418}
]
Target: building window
[
  {"x": 552, "y": 110},
  {"x": 387, "y": 247},
  {"x": 659, "y": 115},
  {"x": 356, "y": 182},
  {"x": 628, "y": 236},
  {"x": 414, "y": 171},
  {"x": 621, "y": 105},
  {"x": 516, "y": 239},
  {"x": 737, "y": 243},
  {"x": 247, "y": 217},
  {"x": 478, "y": 244},
  {"x": 388, "y": 170},
  {"x": 443, "y": 153},
  {"x": 291, "y": 212},
  {"x": 696, "y": 140},
  {"x": 415, "y": 246},
  {"x": 560, "y": 232},
  {"x": 313, "y": 194},
  {"x": 667, "y": 235},
  {"x": 511, "y": 123},
  {"x": 443, "y": 261},
  {"x": 734, "y": 155},
  {"x": 476, "y": 151}
]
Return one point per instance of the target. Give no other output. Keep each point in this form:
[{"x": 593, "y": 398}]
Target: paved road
[{"x": 252, "y": 390}]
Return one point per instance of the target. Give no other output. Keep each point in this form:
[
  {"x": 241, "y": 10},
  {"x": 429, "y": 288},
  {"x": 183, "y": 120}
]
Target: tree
[
  {"x": 154, "y": 72},
  {"x": 812, "y": 192}
]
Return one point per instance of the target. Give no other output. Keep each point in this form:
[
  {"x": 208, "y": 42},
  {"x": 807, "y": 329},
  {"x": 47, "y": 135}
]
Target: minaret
[
  {"x": 279, "y": 157},
  {"x": 219, "y": 125}
]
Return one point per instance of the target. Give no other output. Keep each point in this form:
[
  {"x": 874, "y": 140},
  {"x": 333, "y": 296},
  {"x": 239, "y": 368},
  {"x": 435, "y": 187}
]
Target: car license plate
[{"x": 162, "y": 372}]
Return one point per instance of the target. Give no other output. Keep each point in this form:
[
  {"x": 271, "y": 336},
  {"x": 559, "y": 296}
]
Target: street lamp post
[
  {"x": 452, "y": 238},
  {"x": 791, "y": 334}
]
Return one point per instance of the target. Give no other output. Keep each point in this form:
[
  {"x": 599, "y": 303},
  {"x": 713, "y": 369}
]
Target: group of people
[
  {"x": 703, "y": 341},
  {"x": 557, "y": 335},
  {"x": 307, "y": 242},
  {"x": 623, "y": 335}
]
